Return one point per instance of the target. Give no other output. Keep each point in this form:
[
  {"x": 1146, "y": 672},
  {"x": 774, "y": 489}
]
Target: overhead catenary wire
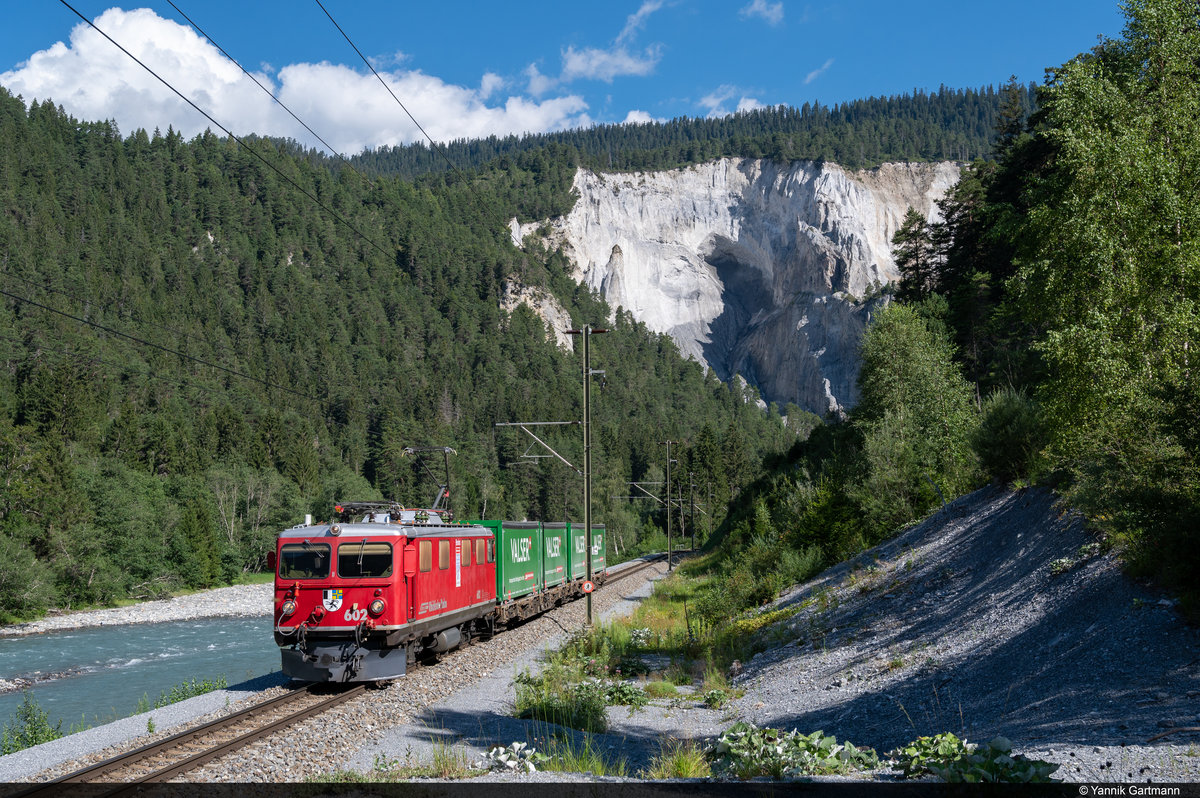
[
  {"x": 232, "y": 372},
  {"x": 432, "y": 144},
  {"x": 454, "y": 300},
  {"x": 384, "y": 250},
  {"x": 180, "y": 382},
  {"x": 85, "y": 301},
  {"x": 334, "y": 214},
  {"x": 269, "y": 93}
]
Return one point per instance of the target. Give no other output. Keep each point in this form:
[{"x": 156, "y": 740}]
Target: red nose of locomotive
[{"x": 337, "y": 579}]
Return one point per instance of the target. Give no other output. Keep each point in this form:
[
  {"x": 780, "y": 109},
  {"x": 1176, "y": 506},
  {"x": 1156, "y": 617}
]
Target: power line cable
[
  {"x": 231, "y": 135},
  {"x": 433, "y": 144},
  {"x": 450, "y": 297},
  {"x": 176, "y": 352},
  {"x": 125, "y": 367},
  {"x": 269, "y": 93},
  {"x": 109, "y": 307}
]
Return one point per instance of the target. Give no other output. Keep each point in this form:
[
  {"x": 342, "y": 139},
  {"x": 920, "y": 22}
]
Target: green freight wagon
[
  {"x": 578, "y": 548},
  {"x": 554, "y": 554},
  {"x": 518, "y": 558},
  {"x": 599, "y": 561}
]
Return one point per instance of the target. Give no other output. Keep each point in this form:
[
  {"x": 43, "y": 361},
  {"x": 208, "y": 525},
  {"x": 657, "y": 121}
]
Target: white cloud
[
  {"x": 771, "y": 12},
  {"x": 539, "y": 84},
  {"x": 594, "y": 64},
  {"x": 388, "y": 60},
  {"x": 715, "y": 101},
  {"x": 816, "y": 73},
  {"x": 490, "y": 84},
  {"x": 637, "y": 20},
  {"x": 366, "y": 116},
  {"x": 637, "y": 117},
  {"x": 93, "y": 80}
]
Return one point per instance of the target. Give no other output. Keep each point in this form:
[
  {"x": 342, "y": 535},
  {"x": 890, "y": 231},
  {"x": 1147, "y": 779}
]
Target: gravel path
[{"x": 479, "y": 716}]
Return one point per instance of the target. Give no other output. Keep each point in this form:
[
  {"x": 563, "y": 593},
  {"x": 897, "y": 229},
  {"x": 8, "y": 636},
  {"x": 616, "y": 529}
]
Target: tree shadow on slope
[{"x": 1080, "y": 657}]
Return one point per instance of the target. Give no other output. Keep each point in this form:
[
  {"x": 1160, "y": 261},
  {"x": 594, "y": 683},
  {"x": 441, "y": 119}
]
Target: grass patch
[
  {"x": 447, "y": 762},
  {"x": 181, "y": 692},
  {"x": 566, "y": 755},
  {"x": 661, "y": 690},
  {"x": 679, "y": 760},
  {"x": 255, "y": 579}
]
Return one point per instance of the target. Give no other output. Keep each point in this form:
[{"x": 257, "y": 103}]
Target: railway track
[
  {"x": 163, "y": 760},
  {"x": 179, "y": 753}
]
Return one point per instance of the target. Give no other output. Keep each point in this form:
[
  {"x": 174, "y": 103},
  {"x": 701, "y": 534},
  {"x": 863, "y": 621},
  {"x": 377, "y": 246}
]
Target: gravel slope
[{"x": 958, "y": 624}]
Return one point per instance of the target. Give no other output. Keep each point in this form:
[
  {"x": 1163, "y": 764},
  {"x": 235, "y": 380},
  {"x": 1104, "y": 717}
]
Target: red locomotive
[
  {"x": 361, "y": 598},
  {"x": 357, "y": 600}
]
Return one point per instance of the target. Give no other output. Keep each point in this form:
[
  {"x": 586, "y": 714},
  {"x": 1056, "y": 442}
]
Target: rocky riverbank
[{"x": 238, "y": 600}]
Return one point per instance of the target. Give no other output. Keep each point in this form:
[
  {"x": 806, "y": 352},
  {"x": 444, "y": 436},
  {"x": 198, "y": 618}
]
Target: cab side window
[
  {"x": 443, "y": 554},
  {"x": 480, "y": 548},
  {"x": 425, "y": 552},
  {"x": 466, "y": 553}
]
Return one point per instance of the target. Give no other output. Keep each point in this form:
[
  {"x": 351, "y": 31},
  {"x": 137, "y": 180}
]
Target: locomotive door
[{"x": 410, "y": 581}]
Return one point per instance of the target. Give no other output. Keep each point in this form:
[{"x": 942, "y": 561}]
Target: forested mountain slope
[
  {"x": 196, "y": 352},
  {"x": 950, "y": 124}
]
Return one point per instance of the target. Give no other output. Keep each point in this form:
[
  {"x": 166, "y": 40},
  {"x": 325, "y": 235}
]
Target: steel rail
[{"x": 198, "y": 734}]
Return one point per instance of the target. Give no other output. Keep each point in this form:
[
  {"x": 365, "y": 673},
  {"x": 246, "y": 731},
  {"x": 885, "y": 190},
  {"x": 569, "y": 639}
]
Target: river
[{"x": 101, "y": 673}]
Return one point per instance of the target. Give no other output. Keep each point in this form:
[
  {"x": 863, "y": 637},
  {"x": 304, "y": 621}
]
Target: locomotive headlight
[
  {"x": 376, "y": 607},
  {"x": 287, "y": 608}
]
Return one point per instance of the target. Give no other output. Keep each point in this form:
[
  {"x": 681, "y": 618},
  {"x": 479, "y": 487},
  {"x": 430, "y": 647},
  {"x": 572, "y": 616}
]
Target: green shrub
[
  {"x": 661, "y": 690},
  {"x": 30, "y": 726},
  {"x": 925, "y": 753},
  {"x": 745, "y": 751},
  {"x": 1010, "y": 436},
  {"x": 957, "y": 761},
  {"x": 624, "y": 694},
  {"x": 553, "y": 698}
]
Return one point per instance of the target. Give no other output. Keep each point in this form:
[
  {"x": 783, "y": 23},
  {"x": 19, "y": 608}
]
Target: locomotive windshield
[
  {"x": 305, "y": 560},
  {"x": 364, "y": 559}
]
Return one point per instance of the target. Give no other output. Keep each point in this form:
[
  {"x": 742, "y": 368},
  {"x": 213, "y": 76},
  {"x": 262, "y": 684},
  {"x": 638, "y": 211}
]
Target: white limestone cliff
[
  {"x": 544, "y": 305},
  {"x": 753, "y": 267}
]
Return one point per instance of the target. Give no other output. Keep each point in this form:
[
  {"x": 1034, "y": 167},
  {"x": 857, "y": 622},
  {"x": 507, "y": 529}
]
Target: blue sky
[{"x": 474, "y": 69}]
